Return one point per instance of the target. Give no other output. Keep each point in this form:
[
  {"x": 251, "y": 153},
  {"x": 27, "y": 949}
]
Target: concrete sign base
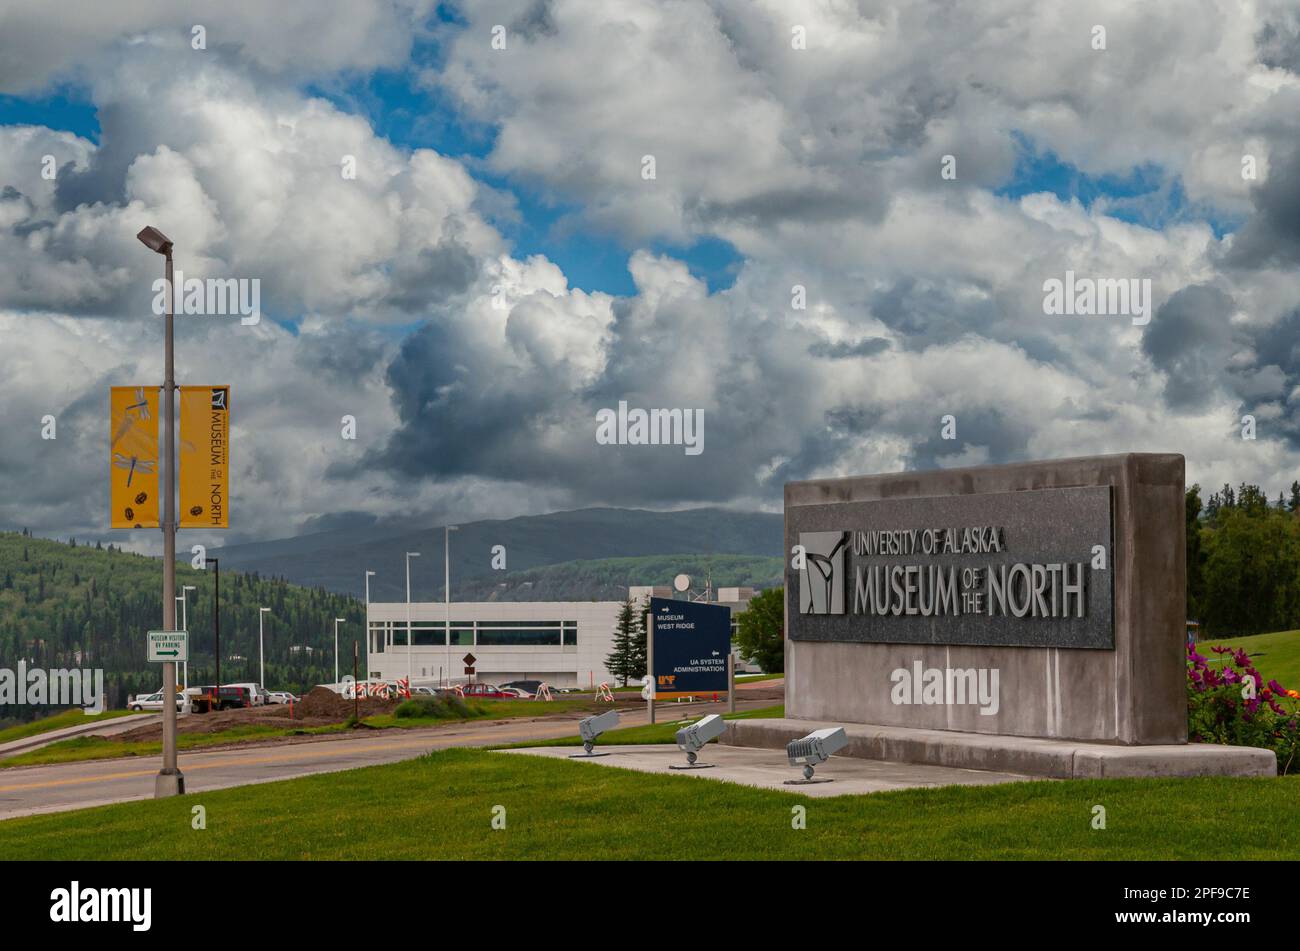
[{"x": 1023, "y": 756}]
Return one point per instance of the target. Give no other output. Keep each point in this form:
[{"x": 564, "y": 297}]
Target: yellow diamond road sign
[{"x": 168, "y": 646}]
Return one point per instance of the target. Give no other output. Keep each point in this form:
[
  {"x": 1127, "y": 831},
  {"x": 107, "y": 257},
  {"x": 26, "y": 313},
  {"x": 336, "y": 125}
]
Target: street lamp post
[
  {"x": 216, "y": 622},
  {"x": 446, "y": 589},
  {"x": 337, "y": 622},
  {"x": 369, "y": 574},
  {"x": 170, "y": 781},
  {"x": 409, "y": 556},
  {"x": 184, "y": 598},
  {"x": 261, "y": 653}
]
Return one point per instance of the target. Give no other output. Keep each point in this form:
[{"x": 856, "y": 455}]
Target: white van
[{"x": 255, "y": 691}]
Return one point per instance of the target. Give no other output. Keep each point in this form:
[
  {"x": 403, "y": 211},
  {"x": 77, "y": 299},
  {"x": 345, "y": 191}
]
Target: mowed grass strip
[
  {"x": 58, "y": 721},
  {"x": 661, "y": 732},
  {"x": 440, "y": 806}
]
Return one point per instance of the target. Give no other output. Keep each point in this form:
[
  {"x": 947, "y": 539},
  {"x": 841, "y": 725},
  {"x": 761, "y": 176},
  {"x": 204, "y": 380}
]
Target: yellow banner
[
  {"x": 205, "y": 457},
  {"x": 133, "y": 459}
]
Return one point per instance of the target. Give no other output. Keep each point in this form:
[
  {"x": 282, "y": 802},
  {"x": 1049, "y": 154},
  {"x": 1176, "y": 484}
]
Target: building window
[{"x": 539, "y": 633}]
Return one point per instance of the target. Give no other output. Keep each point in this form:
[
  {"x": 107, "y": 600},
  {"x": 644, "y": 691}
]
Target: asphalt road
[{"x": 26, "y": 790}]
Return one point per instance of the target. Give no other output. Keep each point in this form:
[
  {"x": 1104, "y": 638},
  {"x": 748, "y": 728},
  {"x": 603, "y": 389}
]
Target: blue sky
[{"x": 412, "y": 116}]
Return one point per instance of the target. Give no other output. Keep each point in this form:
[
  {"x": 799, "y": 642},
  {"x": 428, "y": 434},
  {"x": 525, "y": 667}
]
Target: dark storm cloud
[
  {"x": 925, "y": 313},
  {"x": 817, "y": 204},
  {"x": 536, "y": 21},
  {"x": 457, "y": 417},
  {"x": 1005, "y": 437},
  {"x": 436, "y": 275},
  {"x": 1189, "y": 339},
  {"x": 1277, "y": 43},
  {"x": 866, "y": 347},
  {"x": 1271, "y": 236}
]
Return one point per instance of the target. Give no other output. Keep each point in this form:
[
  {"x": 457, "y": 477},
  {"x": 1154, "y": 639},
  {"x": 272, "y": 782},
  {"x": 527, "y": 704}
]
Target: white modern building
[{"x": 564, "y": 643}]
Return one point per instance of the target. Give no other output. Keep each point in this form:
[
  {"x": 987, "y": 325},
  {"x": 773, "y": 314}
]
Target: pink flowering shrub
[{"x": 1221, "y": 708}]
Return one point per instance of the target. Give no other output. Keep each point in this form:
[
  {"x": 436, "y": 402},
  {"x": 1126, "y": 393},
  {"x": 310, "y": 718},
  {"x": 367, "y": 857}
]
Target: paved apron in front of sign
[{"x": 1007, "y": 569}]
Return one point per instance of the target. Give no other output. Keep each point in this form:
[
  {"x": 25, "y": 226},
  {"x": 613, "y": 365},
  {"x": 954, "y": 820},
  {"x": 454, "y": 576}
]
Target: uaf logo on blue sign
[{"x": 691, "y": 643}]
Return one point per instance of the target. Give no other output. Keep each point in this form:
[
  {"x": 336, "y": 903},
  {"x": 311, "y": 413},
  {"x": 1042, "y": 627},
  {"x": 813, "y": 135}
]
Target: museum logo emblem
[{"x": 821, "y": 580}]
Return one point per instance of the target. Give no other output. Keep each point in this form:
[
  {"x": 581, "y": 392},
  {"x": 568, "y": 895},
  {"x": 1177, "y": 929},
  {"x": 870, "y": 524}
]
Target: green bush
[
  {"x": 421, "y": 708},
  {"x": 436, "y": 708}
]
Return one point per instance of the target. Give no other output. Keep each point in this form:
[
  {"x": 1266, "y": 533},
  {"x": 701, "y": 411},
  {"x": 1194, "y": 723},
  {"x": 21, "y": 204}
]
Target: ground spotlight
[
  {"x": 593, "y": 727},
  {"x": 692, "y": 738},
  {"x": 813, "y": 750}
]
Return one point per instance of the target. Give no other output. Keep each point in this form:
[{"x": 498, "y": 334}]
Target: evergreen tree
[
  {"x": 622, "y": 660},
  {"x": 1294, "y": 504}
]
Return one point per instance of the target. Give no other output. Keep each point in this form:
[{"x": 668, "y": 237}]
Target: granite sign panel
[{"x": 1029, "y": 568}]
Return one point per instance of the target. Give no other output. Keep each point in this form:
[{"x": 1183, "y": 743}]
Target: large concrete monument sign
[
  {"x": 1043, "y": 599},
  {"x": 1024, "y": 619}
]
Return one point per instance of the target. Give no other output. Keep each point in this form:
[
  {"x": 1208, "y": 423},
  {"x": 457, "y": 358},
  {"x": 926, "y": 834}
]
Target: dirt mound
[{"x": 324, "y": 703}]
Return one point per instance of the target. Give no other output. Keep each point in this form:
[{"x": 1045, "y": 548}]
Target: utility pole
[
  {"x": 369, "y": 646},
  {"x": 337, "y": 622},
  {"x": 216, "y": 623},
  {"x": 261, "y": 653},
  {"x": 185, "y": 622},
  {"x": 409, "y": 668},
  {"x": 170, "y": 781},
  {"x": 650, "y": 663},
  {"x": 446, "y": 589}
]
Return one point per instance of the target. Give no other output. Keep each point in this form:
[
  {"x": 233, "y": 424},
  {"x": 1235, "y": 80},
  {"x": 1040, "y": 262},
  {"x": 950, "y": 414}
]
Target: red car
[{"x": 487, "y": 692}]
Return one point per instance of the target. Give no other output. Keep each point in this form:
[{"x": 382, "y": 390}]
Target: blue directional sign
[{"x": 691, "y": 643}]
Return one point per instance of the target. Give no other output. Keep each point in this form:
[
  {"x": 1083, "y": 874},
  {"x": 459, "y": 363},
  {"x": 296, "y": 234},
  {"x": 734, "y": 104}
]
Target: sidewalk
[{"x": 100, "y": 727}]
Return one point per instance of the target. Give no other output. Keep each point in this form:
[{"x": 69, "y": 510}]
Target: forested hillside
[
  {"x": 607, "y": 579},
  {"x": 63, "y": 604}
]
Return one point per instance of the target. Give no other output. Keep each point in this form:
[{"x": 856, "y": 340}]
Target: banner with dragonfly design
[{"x": 133, "y": 465}]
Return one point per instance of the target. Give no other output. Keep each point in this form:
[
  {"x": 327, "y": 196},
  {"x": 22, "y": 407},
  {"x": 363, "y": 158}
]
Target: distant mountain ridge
[
  {"x": 338, "y": 559},
  {"x": 608, "y": 579}
]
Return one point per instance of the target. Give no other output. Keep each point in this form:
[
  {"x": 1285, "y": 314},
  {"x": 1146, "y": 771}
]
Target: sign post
[{"x": 731, "y": 682}]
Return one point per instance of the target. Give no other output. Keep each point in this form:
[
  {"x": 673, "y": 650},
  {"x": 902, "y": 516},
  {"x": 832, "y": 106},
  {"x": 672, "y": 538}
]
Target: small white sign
[{"x": 168, "y": 646}]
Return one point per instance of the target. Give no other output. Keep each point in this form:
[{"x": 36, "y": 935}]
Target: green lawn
[
  {"x": 665, "y": 731},
  {"x": 1276, "y": 655},
  {"x": 57, "y": 721},
  {"x": 557, "y": 809}
]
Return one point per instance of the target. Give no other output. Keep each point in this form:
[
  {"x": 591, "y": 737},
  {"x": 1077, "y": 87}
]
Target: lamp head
[{"x": 155, "y": 240}]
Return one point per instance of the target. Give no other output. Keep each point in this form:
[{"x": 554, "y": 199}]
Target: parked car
[
  {"x": 154, "y": 701},
  {"x": 526, "y": 687},
  {"x": 256, "y": 692},
  {"x": 280, "y": 696},
  {"x": 204, "y": 699},
  {"x": 487, "y": 692},
  {"x": 423, "y": 692}
]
